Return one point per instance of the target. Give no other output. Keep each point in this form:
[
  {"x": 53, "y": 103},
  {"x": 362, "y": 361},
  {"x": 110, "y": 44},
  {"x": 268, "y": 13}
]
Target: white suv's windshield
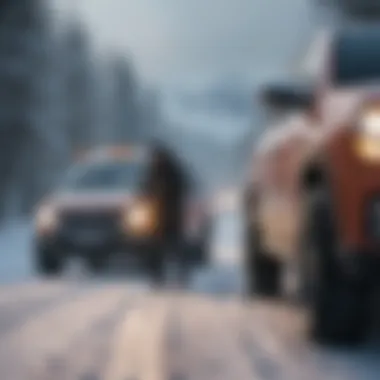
[
  {"x": 356, "y": 57},
  {"x": 118, "y": 175}
]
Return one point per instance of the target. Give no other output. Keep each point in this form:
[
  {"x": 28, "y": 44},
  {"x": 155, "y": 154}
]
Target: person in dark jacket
[{"x": 169, "y": 183}]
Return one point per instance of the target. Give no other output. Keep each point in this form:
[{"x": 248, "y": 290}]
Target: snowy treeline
[{"x": 57, "y": 96}]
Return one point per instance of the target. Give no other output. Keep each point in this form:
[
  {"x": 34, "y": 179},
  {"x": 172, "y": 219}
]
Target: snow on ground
[
  {"x": 222, "y": 277},
  {"x": 15, "y": 251},
  {"x": 247, "y": 339}
]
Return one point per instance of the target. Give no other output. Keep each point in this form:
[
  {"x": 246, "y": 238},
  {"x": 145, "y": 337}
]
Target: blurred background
[
  {"x": 76, "y": 74},
  {"x": 81, "y": 74}
]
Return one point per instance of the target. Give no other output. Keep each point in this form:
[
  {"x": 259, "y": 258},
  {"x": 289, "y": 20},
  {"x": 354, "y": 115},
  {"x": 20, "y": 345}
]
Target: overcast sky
[
  {"x": 183, "y": 45},
  {"x": 175, "y": 40}
]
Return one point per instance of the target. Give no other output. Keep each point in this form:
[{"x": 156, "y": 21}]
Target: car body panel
[
  {"x": 103, "y": 211},
  {"x": 91, "y": 200},
  {"x": 325, "y": 138},
  {"x": 280, "y": 161}
]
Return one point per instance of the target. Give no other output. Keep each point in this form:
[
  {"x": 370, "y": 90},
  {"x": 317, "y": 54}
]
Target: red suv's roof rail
[{"x": 357, "y": 10}]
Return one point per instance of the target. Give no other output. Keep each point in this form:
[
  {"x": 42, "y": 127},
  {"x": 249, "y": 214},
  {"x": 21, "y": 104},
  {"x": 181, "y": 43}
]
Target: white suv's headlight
[
  {"x": 140, "y": 218},
  {"x": 46, "y": 219}
]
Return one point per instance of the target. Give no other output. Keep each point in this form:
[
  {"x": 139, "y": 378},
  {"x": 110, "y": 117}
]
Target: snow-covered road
[
  {"x": 15, "y": 248},
  {"x": 115, "y": 328}
]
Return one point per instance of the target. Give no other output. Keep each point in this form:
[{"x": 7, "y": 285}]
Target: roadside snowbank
[{"x": 15, "y": 250}]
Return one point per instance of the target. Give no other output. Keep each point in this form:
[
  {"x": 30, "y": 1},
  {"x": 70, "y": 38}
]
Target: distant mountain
[
  {"x": 212, "y": 162},
  {"x": 212, "y": 126},
  {"x": 225, "y": 96}
]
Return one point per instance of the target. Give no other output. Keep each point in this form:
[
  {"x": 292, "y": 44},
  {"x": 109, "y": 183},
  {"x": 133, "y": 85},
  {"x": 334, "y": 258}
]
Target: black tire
[
  {"x": 203, "y": 252},
  {"x": 96, "y": 263},
  {"x": 187, "y": 264},
  {"x": 155, "y": 265},
  {"x": 204, "y": 248},
  {"x": 48, "y": 262},
  {"x": 338, "y": 306},
  {"x": 263, "y": 272},
  {"x": 198, "y": 254}
]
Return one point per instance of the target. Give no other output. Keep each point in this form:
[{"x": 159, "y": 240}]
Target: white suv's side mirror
[{"x": 287, "y": 97}]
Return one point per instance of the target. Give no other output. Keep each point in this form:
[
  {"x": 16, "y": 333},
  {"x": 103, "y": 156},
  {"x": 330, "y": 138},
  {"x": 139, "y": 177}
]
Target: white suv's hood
[{"x": 91, "y": 200}]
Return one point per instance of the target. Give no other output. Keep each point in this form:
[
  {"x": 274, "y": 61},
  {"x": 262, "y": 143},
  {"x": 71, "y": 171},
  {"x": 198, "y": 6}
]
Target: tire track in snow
[
  {"x": 22, "y": 306},
  {"x": 87, "y": 354},
  {"x": 49, "y": 334}
]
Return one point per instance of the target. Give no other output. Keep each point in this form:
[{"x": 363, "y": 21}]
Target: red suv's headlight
[{"x": 367, "y": 142}]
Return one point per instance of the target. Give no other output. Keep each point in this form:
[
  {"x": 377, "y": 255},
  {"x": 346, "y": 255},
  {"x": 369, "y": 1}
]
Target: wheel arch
[{"x": 313, "y": 176}]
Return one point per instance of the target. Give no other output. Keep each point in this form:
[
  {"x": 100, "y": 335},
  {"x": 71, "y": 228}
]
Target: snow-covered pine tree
[
  {"x": 22, "y": 27},
  {"x": 124, "y": 101},
  {"x": 79, "y": 99}
]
